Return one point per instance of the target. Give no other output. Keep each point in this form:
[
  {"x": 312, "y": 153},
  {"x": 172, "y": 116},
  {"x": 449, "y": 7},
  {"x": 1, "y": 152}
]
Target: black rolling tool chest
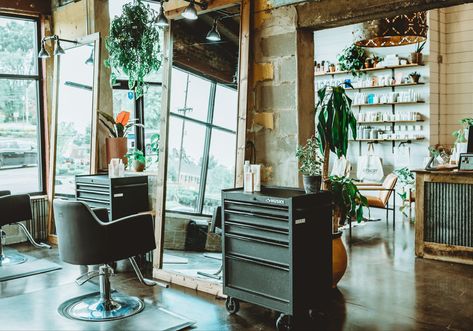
[
  {"x": 122, "y": 196},
  {"x": 277, "y": 250}
]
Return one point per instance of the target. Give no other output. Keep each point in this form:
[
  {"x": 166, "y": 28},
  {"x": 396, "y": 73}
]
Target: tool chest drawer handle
[
  {"x": 93, "y": 200},
  {"x": 244, "y": 213},
  {"x": 251, "y": 239},
  {"x": 244, "y": 259},
  {"x": 256, "y": 227},
  {"x": 130, "y": 185},
  {"x": 246, "y": 204}
]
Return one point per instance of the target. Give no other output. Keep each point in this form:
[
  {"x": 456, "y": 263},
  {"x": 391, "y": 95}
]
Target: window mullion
[{"x": 205, "y": 159}]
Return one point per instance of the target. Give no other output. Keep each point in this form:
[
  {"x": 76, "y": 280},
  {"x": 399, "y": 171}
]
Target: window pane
[
  {"x": 221, "y": 170},
  {"x": 226, "y": 107},
  {"x": 74, "y": 118},
  {"x": 186, "y": 148},
  {"x": 18, "y": 50},
  {"x": 152, "y": 111},
  {"x": 19, "y": 136},
  {"x": 190, "y": 95},
  {"x": 124, "y": 100}
]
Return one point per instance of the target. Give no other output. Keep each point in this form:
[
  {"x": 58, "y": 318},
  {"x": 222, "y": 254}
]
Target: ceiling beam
[
  {"x": 174, "y": 8},
  {"x": 26, "y": 6},
  {"x": 330, "y": 13}
]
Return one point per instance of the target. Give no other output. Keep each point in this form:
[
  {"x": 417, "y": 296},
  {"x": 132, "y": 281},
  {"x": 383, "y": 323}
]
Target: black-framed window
[
  {"x": 202, "y": 143},
  {"x": 21, "y": 119}
]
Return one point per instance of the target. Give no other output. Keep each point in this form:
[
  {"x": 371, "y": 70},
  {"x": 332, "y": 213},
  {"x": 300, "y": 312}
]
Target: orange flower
[{"x": 123, "y": 117}]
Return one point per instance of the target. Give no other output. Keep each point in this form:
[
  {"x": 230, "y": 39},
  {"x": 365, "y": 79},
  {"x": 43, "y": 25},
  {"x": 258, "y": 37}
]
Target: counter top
[{"x": 454, "y": 172}]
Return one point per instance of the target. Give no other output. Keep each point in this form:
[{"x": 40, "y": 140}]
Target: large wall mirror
[{"x": 73, "y": 119}]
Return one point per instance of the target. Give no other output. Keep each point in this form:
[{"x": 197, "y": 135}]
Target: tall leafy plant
[
  {"x": 335, "y": 121},
  {"x": 133, "y": 45}
]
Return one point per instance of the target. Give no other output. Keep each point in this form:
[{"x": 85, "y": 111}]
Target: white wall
[{"x": 330, "y": 42}]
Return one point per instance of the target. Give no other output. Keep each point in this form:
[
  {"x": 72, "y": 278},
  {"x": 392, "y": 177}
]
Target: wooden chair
[{"x": 385, "y": 192}]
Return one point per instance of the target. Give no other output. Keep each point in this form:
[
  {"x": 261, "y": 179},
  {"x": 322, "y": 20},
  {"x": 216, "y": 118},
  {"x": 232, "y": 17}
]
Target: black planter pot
[{"x": 312, "y": 183}]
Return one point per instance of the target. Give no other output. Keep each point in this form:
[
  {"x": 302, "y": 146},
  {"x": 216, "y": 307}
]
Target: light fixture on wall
[
  {"x": 161, "y": 19},
  {"x": 58, "y": 50},
  {"x": 90, "y": 60},
  {"x": 190, "y": 12},
  {"x": 399, "y": 30},
  {"x": 213, "y": 34}
]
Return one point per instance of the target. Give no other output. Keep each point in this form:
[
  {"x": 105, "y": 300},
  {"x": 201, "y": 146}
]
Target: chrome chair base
[
  {"x": 92, "y": 307},
  {"x": 12, "y": 259}
]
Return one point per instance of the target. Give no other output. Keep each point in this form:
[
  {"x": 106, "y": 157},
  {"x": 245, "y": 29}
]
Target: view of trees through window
[
  {"x": 202, "y": 143},
  {"x": 20, "y": 166}
]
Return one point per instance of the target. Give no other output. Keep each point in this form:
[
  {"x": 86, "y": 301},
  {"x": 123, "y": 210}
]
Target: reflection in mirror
[
  {"x": 74, "y": 117},
  {"x": 202, "y": 143}
]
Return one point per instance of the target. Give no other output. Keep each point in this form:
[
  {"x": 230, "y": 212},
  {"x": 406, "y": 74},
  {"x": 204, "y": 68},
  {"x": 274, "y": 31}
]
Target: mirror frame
[{"x": 94, "y": 157}]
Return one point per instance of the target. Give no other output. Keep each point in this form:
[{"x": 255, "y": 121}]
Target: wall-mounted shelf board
[
  {"x": 383, "y": 86},
  {"x": 388, "y": 122},
  {"x": 388, "y": 104},
  {"x": 412, "y": 65},
  {"x": 383, "y": 140}
]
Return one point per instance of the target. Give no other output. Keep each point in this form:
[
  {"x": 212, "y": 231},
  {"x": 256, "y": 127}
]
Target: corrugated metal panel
[
  {"x": 449, "y": 214},
  {"x": 38, "y": 226}
]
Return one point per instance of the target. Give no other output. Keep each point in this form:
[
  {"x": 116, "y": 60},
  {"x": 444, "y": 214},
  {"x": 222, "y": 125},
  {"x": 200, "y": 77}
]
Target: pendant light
[
  {"x": 161, "y": 20},
  {"x": 58, "y": 50},
  {"x": 399, "y": 30},
  {"x": 190, "y": 12},
  {"x": 213, "y": 34}
]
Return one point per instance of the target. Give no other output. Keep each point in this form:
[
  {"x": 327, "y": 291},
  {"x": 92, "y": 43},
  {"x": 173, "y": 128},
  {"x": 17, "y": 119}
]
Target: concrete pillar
[{"x": 281, "y": 83}]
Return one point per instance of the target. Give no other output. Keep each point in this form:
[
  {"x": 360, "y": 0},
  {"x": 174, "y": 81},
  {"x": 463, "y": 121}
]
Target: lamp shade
[
  {"x": 59, "y": 50},
  {"x": 399, "y": 30},
  {"x": 213, "y": 34},
  {"x": 190, "y": 12},
  {"x": 43, "y": 53},
  {"x": 161, "y": 20}
]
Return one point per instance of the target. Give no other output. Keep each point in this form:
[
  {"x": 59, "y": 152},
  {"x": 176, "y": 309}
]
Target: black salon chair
[
  {"x": 13, "y": 210},
  {"x": 215, "y": 227},
  {"x": 85, "y": 240}
]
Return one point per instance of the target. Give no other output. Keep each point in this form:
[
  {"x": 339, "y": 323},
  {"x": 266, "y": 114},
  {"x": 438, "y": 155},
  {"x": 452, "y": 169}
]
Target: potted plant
[
  {"x": 335, "y": 121},
  {"x": 461, "y": 141},
  {"x": 416, "y": 56},
  {"x": 117, "y": 143},
  {"x": 310, "y": 165},
  {"x": 137, "y": 160},
  {"x": 133, "y": 45},
  {"x": 406, "y": 181},
  {"x": 415, "y": 76},
  {"x": 352, "y": 59}
]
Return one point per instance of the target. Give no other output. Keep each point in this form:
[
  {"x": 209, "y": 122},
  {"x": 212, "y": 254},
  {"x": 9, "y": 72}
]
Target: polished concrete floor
[{"x": 385, "y": 288}]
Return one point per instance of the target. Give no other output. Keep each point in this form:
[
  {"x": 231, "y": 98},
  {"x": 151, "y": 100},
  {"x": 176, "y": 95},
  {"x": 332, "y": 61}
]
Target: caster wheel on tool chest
[
  {"x": 284, "y": 323},
  {"x": 232, "y": 305}
]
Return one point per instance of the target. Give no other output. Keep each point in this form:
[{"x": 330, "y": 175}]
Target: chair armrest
[
  {"x": 131, "y": 235},
  {"x": 368, "y": 184},
  {"x": 374, "y": 188},
  {"x": 102, "y": 214}
]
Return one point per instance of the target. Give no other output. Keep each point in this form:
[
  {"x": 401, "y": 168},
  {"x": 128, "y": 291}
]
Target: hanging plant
[
  {"x": 352, "y": 59},
  {"x": 133, "y": 45}
]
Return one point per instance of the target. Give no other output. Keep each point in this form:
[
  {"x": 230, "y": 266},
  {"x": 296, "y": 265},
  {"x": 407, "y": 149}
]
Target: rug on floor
[
  {"x": 32, "y": 266},
  {"x": 39, "y": 311}
]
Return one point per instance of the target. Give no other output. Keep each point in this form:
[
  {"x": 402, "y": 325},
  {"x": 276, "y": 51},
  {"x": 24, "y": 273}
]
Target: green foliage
[
  {"x": 349, "y": 202},
  {"x": 133, "y": 45},
  {"x": 420, "y": 47},
  {"x": 352, "y": 59},
  {"x": 460, "y": 133},
  {"x": 414, "y": 74},
  {"x": 405, "y": 176},
  {"x": 309, "y": 158},
  {"x": 136, "y": 155},
  {"x": 335, "y": 119},
  {"x": 154, "y": 148},
  {"x": 116, "y": 130}
]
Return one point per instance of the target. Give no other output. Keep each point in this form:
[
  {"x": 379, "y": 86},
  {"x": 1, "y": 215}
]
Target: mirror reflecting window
[{"x": 74, "y": 117}]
